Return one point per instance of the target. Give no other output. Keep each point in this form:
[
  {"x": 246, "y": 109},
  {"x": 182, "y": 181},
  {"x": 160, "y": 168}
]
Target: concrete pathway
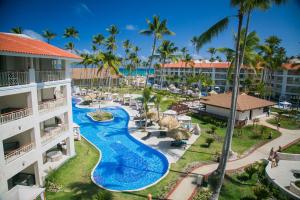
[{"x": 185, "y": 189}]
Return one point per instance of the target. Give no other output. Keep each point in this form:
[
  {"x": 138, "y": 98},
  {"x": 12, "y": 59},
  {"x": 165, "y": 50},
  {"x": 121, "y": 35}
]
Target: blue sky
[{"x": 186, "y": 18}]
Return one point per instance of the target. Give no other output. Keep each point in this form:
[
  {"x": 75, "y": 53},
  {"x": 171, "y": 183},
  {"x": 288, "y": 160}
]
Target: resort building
[
  {"x": 248, "y": 107},
  {"x": 89, "y": 77},
  {"x": 285, "y": 82},
  {"x": 35, "y": 112}
]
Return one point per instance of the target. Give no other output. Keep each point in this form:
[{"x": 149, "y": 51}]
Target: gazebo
[
  {"x": 171, "y": 113},
  {"x": 284, "y": 105},
  {"x": 185, "y": 121}
]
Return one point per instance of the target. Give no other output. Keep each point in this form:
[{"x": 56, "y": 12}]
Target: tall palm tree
[
  {"x": 109, "y": 62},
  {"x": 157, "y": 29},
  {"x": 157, "y": 102},
  {"x": 243, "y": 8},
  {"x": 86, "y": 61},
  {"x": 113, "y": 30},
  {"x": 194, "y": 41},
  {"x": 70, "y": 46},
  {"x": 71, "y": 32},
  {"x": 48, "y": 35},
  {"x": 110, "y": 44},
  {"x": 166, "y": 52},
  {"x": 98, "y": 39},
  {"x": 17, "y": 30},
  {"x": 212, "y": 52}
]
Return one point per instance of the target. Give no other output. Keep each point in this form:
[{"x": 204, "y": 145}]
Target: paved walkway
[{"x": 187, "y": 186}]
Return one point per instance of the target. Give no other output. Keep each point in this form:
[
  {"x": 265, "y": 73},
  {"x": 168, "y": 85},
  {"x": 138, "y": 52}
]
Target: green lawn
[
  {"x": 286, "y": 122},
  {"x": 75, "y": 174},
  {"x": 295, "y": 148}
]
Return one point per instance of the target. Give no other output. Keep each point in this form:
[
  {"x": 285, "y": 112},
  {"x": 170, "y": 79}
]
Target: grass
[
  {"x": 286, "y": 122},
  {"x": 75, "y": 174},
  {"x": 102, "y": 116},
  {"x": 295, "y": 148}
]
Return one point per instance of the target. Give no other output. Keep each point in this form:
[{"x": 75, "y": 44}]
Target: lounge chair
[{"x": 178, "y": 143}]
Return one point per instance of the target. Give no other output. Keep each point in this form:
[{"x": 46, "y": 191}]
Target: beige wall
[{"x": 14, "y": 101}]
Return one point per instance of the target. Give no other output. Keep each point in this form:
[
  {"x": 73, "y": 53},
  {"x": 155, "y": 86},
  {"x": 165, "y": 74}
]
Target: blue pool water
[{"x": 126, "y": 164}]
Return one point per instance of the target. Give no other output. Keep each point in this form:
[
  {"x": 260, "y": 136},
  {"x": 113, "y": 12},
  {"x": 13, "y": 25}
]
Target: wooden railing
[
  {"x": 51, "y": 135},
  {"x": 18, "y": 152},
  {"x": 45, "y": 76},
  {"x": 18, "y": 114},
  {"x": 13, "y": 78},
  {"x": 51, "y": 104}
]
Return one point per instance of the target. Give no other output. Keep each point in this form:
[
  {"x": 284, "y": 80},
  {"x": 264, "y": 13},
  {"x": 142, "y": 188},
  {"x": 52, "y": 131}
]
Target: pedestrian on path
[
  {"x": 278, "y": 126},
  {"x": 271, "y": 154}
]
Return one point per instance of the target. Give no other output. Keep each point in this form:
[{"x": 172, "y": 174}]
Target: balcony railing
[
  {"x": 13, "y": 78},
  {"x": 51, "y": 104},
  {"x": 18, "y": 152},
  {"x": 18, "y": 114},
  {"x": 45, "y": 76},
  {"x": 54, "y": 133}
]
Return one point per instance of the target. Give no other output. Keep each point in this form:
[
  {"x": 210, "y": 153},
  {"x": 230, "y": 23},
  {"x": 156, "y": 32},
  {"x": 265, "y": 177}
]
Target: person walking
[{"x": 278, "y": 126}]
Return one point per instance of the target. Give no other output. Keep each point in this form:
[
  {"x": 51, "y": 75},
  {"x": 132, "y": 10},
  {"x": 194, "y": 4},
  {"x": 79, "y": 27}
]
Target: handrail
[
  {"x": 18, "y": 152},
  {"x": 54, "y": 133},
  {"x": 45, "y": 76},
  {"x": 54, "y": 103},
  {"x": 14, "y": 115},
  {"x": 11, "y": 78}
]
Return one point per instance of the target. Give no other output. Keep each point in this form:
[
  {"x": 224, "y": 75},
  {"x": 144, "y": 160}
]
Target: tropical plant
[
  {"x": 157, "y": 29},
  {"x": 244, "y": 7},
  {"x": 251, "y": 170},
  {"x": 157, "y": 102},
  {"x": 261, "y": 192},
  {"x": 212, "y": 52},
  {"x": 146, "y": 98},
  {"x": 98, "y": 39},
  {"x": 194, "y": 41},
  {"x": 48, "y": 35},
  {"x": 86, "y": 61},
  {"x": 17, "y": 30},
  {"x": 166, "y": 52},
  {"x": 209, "y": 141},
  {"x": 70, "y": 46},
  {"x": 71, "y": 32}
]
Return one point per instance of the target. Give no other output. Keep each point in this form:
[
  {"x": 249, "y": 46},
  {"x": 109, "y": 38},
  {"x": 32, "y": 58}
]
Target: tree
[
  {"x": 157, "y": 102},
  {"x": 17, "y": 30},
  {"x": 98, "y": 39},
  {"x": 194, "y": 41},
  {"x": 113, "y": 30},
  {"x": 71, "y": 32},
  {"x": 146, "y": 98},
  {"x": 70, "y": 46},
  {"x": 243, "y": 7},
  {"x": 166, "y": 51},
  {"x": 48, "y": 35},
  {"x": 157, "y": 29},
  {"x": 212, "y": 52},
  {"x": 86, "y": 61}
]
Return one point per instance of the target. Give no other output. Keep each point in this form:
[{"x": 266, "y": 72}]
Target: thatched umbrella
[
  {"x": 153, "y": 116},
  {"x": 179, "y": 134},
  {"x": 169, "y": 122}
]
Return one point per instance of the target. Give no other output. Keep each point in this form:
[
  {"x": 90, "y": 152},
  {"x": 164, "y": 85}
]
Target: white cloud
[
  {"x": 82, "y": 8},
  {"x": 130, "y": 27},
  {"x": 33, "y": 34}
]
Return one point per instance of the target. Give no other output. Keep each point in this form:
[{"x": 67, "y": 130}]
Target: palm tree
[
  {"x": 157, "y": 29},
  {"x": 17, "y": 30},
  {"x": 110, "y": 44},
  {"x": 109, "y": 62},
  {"x": 244, "y": 7},
  {"x": 98, "y": 39},
  {"x": 71, "y": 32},
  {"x": 113, "y": 30},
  {"x": 212, "y": 52},
  {"x": 273, "y": 56},
  {"x": 157, "y": 102},
  {"x": 166, "y": 51},
  {"x": 48, "y": 35},
  {"x": 194, "y": 41},
  {"x": 146, "y": 98},
  {"x": 70, "y": 46},
  {"x": 86, "y": 61}
]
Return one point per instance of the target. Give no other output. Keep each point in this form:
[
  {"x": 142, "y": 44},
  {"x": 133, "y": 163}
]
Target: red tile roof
[
  {"x": 290, "y": 66},
  {"x": 245, "y": 102},
  {"x": 20, "y": 44},
  {"x": 180, "y": 64}
]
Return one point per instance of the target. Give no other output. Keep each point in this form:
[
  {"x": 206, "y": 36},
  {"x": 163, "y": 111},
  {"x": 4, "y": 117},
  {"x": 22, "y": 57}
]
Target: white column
[
  {"x": 3, "y": 181},
  {"x": 213, "y": 75},
  {"x": 70, "y": 119},
  {"x": 283, "y": 83}
]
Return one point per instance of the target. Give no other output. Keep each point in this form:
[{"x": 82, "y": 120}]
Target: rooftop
[
  {"x": 245, "y": 102},
  {"x": 22, "y": 44}
]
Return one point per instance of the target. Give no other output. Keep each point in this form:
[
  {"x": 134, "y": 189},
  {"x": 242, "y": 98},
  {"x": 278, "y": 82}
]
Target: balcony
[
  {"x": 12, "y": 155},
  {"x": 50, "y": 133},
  {"x": 45, "y": 76},
  {"x": 12, "y": 78},
  {"x": 50, "y": 105},
  {"x": 14, "y": 115}
]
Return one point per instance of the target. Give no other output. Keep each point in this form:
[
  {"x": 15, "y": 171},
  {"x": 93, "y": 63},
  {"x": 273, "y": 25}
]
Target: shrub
[
  {"x": 242, "y": 177},
  {"x": 103, "y": 195},
  {"x": 250, "y": 170},
  {"x": 86, "y": 102},
  {"x": 261, "y": 192},
  {"x": 248, "y": 198},
  {"x": 209, "y": 141},
  {"x": 203, "y": 194}
]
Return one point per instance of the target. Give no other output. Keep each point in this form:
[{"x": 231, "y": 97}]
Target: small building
[{"x": 248, "y": 107}]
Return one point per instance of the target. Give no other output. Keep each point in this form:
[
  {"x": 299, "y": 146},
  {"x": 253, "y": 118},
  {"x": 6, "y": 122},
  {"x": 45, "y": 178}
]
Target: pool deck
[{"x": 161, "y": 144}]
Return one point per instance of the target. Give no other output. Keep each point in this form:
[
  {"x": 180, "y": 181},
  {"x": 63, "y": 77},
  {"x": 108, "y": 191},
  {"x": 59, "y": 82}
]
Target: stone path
[{"x": 185, "y": 189}]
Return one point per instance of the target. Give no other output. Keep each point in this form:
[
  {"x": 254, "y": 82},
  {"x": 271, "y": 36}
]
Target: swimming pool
[{"x": 126, "y": 164}]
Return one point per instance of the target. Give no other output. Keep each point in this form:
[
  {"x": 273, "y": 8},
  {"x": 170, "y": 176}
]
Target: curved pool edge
[{"x": 100, "y": 158}]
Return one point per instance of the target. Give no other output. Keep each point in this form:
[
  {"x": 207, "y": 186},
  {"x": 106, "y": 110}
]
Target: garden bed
[{"x": 101, "y": 116}]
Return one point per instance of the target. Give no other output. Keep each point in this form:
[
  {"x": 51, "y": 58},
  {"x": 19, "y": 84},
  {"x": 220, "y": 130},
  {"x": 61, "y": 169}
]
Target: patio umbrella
[
  {"x": 179, "y": 134},
  {"x": 169, "y": 122},
  {"x": 153, "y": 116}
]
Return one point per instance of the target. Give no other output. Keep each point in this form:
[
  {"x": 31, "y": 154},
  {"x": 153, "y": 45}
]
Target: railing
[
  {"x": 45, "y": 76},
  {"x": 13, "y": 78},
  {"x": 51, "y": 135},
  {"x": 18, "y": 114},
  {"x": 18, "y": 152},
  {"x": 51, "y": 104}
]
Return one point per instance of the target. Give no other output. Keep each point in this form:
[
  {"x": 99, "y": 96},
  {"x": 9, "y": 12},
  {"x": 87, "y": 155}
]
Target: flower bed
[{"x": 101, "y": 116}]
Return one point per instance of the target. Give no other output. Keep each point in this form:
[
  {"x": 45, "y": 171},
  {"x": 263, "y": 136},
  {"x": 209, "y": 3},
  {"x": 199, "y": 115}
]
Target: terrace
[{"x": 51, "y": 98}]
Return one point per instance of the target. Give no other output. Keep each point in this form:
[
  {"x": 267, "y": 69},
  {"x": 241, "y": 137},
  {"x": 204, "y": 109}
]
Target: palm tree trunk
[
  {"x": 150, "y": 61},
  {"x": 161, "y": 74},
  {"x": 219, "y": 174}
]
